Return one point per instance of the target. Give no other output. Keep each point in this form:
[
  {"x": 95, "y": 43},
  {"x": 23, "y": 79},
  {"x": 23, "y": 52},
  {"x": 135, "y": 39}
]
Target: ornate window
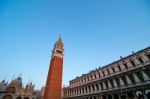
[
  {"x": 125, "y": 65},
  {"x": 11, "y": 89},
  {"x": 7, "y": 96},
  {"x": 133, "y": 63}
]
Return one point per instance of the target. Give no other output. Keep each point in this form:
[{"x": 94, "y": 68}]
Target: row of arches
[
  {"x": 129, "y": 95},
  {"x": 112, "y": 83},
  {"x": 9, "y": 96}
]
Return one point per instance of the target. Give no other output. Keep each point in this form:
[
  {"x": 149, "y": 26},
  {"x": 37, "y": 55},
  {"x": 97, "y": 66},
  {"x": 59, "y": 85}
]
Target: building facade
[
  {"x": 15, "y": 90},
  {"x": 53, "y": 86},
  {"x": 127, "y": 78}
]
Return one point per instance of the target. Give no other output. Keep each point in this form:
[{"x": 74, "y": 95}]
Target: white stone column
[
  {"x": 71, "y": 92},
  {"x": 121, "y": 81},
  {"x": 101, "y": 74},
  {"x": 91, "y": 88},
  {"x": 109, "y": 84},
  {"x": 136, "y": 78},
  {"x": 97, "y": 76},
  {"x": 67, "y": 93},
  {"x": 104, "y": 86},
  {"x": 93, "y": 76},
  {"x": 88, "y": 89},
  {"x": 111, "y": 71},
  {"x": 105, "y": 72},
  {"x": 115, "y": 83},
  {"x": 99, "y": 86},
  {"x": 122, "y": 66},
  {"x": 116, "y": 69},
  {"x": 128, "y": 80},
  {"x": 137, "y": 62},
  {"x": 145, "y": 76},
  {"x": 86, "y": 80},
  {"x": 84, "y": 89},
  {"x": 95, "y": 87},
  {"x": 76, "y": 91},
  {"x": 79, "y": 91}
]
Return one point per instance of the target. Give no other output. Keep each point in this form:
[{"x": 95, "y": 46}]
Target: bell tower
[{"x": 54, "y": 79}]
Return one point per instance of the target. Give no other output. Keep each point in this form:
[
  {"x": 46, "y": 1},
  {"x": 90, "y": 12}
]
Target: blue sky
[{"x": 94, "y": 32}]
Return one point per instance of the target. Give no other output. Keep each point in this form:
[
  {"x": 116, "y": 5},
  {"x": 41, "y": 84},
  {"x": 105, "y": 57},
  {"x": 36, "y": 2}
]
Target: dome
[{"x": 17, "y": 82}]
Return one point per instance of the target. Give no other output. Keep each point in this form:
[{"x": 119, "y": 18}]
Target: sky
[{"x": 94, "y": 32}]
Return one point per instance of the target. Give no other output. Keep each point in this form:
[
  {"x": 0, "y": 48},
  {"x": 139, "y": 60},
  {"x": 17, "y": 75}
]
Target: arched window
[
  {"x": 113, "y": 69},
  {"x": 11, "y": 89},
  {"x": 141, "y": 59},
  {"x": 26, "y": 98},
  {"x": 7, "y": 96},
  {"x": 133, "y": 63},
  {"x": 19, "y": 97},
  {"x": 125, "y": 65},
  {"x": 108, "y": 71}
]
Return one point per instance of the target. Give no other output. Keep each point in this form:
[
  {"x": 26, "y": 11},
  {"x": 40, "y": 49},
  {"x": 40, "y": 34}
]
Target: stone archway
[
  {"x": 139, "y": 95},
  {"x": 123, "y": 96},
  {"x": 147, "y": 92},
  {"x": 131, "y": 95},
  {"x": 103, "y": 97},
  {"x": 109, "y": 97},
  {"x": 19, "y": 97},
  {"x": 26, "y": 98},
  {"x": 11, "y": 89},
  {"x": 7, "y": 96},
  {"x": 116, "y": 96}
]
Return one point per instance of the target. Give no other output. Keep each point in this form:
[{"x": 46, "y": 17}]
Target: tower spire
[
  {"x": 58, "y": 48},
  {"x": 59, "y": 42}
]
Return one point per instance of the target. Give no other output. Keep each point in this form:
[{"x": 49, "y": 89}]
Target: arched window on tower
[{"x": 59, "y": 51}]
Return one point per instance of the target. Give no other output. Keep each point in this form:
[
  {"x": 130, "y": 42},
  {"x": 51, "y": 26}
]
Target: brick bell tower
[{"x": 53, "y": 86}]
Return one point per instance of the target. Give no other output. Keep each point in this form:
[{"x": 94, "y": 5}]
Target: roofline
[{"x": 123, "y": 58}]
